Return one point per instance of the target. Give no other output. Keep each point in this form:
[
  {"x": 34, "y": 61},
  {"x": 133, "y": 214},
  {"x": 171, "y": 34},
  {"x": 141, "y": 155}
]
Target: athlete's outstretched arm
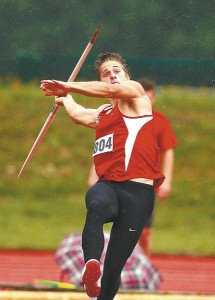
[{"x": 127, "y": 89}]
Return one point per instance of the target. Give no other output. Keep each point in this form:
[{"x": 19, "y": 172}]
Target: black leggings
[{"x": 127, "y": 204}]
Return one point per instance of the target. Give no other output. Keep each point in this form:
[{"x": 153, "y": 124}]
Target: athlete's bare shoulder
[
  {"x": 137, "y": 85},
  {"x": 103, "y": 107}
]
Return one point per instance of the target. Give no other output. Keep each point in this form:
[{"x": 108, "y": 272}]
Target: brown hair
[
  {"x": 147, "y": 84},
  {"x": 103, "y": 57}
]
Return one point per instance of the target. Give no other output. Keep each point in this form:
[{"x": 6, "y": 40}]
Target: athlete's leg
[
  {"x": 136, "y": 204},
  {"x": 102, "y": 207}
]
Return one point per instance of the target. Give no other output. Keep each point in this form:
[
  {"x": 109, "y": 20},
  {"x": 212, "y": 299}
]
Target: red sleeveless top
[{"x": 126, "y": 147}]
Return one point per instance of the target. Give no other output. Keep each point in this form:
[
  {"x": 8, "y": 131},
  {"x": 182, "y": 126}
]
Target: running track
[{"x": 186, "y": 274}]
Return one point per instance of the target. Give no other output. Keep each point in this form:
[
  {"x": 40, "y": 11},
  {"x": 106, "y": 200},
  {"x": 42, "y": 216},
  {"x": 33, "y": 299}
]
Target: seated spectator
[{"x": 138, "y": 273}]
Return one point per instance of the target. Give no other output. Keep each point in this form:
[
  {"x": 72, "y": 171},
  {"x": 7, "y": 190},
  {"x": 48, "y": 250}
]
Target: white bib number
[{"x": 103, "y": 144}]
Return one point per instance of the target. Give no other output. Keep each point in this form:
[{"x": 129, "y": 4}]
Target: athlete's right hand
[{"x": 54, "y": 87}]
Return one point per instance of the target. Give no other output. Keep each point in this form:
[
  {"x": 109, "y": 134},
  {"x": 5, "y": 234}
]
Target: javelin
[{"x": 56, "y": 107}]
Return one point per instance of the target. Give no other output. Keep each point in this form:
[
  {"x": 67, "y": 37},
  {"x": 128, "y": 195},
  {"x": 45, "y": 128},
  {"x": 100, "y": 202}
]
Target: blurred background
[{"x": 170, "y": 42}]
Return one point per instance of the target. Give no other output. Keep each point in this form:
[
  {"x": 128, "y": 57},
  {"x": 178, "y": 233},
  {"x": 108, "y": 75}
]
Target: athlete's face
[{"x": 112, "y": 71}]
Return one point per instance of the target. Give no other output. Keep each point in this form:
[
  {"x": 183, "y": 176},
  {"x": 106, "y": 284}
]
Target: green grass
[{"x": 47, "y": 202}]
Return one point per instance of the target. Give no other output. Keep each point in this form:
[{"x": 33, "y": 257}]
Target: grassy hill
[{"x": 47, "y": 202}]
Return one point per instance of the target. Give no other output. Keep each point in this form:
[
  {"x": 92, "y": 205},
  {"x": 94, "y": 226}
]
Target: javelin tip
[{"x": 95, "y": 35}]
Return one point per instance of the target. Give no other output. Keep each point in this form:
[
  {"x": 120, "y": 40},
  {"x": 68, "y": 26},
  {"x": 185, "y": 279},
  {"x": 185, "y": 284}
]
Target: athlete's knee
[
  {"x": 95, "y": 207},
  {"x": 94, "y": 203}
]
